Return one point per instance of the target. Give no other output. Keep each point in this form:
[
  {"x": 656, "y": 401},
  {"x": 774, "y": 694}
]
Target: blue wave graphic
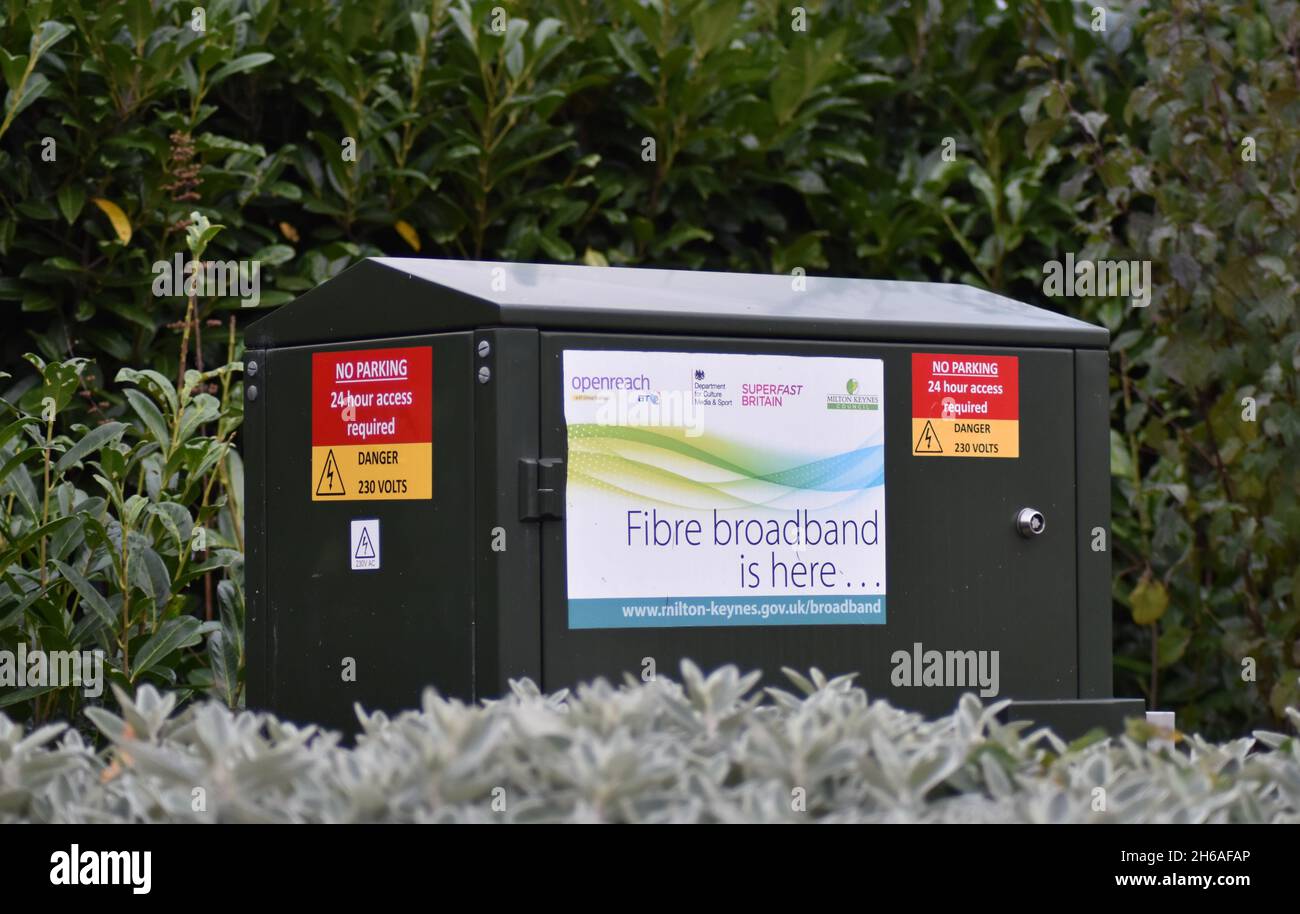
[{"x": 851, "y": 471}]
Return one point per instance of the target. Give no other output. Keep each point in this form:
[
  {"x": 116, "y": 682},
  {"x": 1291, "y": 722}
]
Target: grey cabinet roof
[{"x": 396, "y": 296}]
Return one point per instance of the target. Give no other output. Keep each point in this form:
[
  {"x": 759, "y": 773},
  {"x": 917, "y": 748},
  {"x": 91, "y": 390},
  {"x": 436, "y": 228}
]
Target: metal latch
[{"x": 541, "y": 488}]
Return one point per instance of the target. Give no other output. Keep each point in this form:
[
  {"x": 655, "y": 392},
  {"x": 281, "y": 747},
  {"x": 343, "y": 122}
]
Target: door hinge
[{"x": 541, "y": 488}]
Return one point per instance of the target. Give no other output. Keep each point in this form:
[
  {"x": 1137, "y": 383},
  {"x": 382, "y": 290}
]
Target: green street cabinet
[{"x": 462, "y": 473}]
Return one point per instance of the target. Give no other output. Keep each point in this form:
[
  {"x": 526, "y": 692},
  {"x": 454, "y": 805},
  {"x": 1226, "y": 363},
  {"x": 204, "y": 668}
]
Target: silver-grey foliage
[{"x": 705, "y": 750}]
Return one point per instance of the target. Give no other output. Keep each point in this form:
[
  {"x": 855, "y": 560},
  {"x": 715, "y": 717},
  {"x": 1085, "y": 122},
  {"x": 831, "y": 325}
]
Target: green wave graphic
[
  {"x": 726, "y": 455},
  {"x": 598, "y": 460},
  {"x": 708, "y": 449}
]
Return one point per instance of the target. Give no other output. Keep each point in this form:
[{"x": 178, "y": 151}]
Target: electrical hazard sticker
[
  {"x": 364, "y": 547},
  {"x": 372, "y": 425},
  {"x": 965, "y": 405}
]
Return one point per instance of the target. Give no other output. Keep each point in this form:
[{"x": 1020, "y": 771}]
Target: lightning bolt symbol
[{"x": 927, "y": 436}]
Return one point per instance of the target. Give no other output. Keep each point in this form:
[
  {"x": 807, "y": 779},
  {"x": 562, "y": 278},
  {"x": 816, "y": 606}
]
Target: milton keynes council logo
[{"x": 851, "y": 399}]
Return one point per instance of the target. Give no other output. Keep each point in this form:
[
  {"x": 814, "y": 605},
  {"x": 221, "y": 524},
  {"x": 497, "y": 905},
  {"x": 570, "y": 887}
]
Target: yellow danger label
[
  {"x": 966, "y": 437},
  {"x": 372, "y": 472}
]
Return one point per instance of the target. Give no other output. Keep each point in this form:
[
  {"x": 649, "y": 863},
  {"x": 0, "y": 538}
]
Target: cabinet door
[
  {"x": 368, "y": 599},
  {"x": 959, "y": 577}
]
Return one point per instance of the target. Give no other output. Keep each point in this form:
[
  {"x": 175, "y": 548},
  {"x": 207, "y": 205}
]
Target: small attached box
[{"x": 459, "y": 473}]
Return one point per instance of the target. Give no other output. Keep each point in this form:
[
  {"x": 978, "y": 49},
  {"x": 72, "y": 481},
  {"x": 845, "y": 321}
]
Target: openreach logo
[
  {"x": 23, "y": 669},
  {"x": 1098, "y": 278},
  {"x": 78, "y": 867},
  {"x": 179, "y": 278},
  {"x": 946, "y": 669}
]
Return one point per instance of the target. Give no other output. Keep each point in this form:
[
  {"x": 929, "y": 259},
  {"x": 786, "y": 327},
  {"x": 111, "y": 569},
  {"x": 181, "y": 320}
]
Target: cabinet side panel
[
  {"x": 257, "y": 678},
  {"x": 1092, "y": 468}
]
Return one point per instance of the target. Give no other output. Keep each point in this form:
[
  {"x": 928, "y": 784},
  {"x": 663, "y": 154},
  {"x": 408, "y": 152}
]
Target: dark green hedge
[{"x": 965, "y": 141}]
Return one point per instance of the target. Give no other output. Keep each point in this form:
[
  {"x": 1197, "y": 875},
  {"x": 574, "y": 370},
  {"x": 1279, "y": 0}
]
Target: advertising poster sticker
[{"x": 722, "y": 489}]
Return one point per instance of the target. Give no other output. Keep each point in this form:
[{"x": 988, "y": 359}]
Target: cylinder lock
[{"x": 1030, "y": 522}]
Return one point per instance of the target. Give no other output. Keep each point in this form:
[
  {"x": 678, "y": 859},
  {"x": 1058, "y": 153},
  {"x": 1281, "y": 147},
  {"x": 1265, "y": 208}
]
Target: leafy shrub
[
  {"x": 963, "y": 141},
  {"x": 108, "y": 529},
  {"x": 1194, "y": 170},
  {"x": 704, "y": 751}
]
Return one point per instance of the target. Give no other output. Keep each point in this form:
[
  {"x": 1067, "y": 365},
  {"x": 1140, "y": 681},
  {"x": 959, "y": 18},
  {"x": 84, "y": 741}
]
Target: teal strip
[{"x": 750, "y": 609}]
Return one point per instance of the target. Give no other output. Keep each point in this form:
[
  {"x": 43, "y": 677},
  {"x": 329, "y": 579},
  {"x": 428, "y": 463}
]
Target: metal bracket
[{"x": 541, "y": 488}]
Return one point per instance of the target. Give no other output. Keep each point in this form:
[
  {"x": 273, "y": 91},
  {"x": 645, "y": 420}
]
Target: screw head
[
  {"x": 252, "y": 369},
  {"x": 484, "y": 349},
  {"x": 484, "y": 375},
  {"x": 252, "y": 391}
]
